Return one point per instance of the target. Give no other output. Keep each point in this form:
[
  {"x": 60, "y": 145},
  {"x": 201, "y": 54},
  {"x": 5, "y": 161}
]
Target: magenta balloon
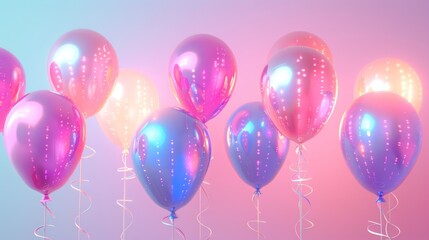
[
  {"x": 203, "y": 72},
  {"x": 12, "y": 83},
  {"x": 380, "y": 136},
  {"x": 83, "y": 66},
  {"x": 44, "y": 138},
  {"x": 300, "y": 92}
]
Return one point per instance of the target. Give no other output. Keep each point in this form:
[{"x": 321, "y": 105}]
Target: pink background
[{"x": 144, "y": 34}]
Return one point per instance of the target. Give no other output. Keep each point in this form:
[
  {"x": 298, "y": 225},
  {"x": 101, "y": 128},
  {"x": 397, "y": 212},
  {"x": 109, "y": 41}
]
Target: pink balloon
[
  {"x": 12, "y": 83},
  {"x": 44, "y": 137},
  {"x": 203, "y": 72},
  {"x": 83, "y": 66},
  {"x": 303, "y": 39},
  {"x": 300, "y": 92}
]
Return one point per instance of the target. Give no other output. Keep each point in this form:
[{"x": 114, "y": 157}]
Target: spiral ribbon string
[
  {"x": 202, "y": 192},
  {"x": 77, "y": 185},
  {"x": 303, "y": 190},
  {"x": 172, "y": 217},
  {"x": 255, "y": 200},
  {"x": 387, "y": 218},
  {"x": 128, "y": 175},
  {"x": 46, "y": 209}
]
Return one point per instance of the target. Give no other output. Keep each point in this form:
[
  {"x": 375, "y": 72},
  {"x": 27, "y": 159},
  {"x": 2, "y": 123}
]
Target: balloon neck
[
  {"x": 299, "y": 149},
  {"x": 257, "y": 190},
  {"x": 172, "y": 214},
  {"x": 380, "y": 198},
  {"x": 45, "y": 198},
  {"x": 125, "y": 152}
]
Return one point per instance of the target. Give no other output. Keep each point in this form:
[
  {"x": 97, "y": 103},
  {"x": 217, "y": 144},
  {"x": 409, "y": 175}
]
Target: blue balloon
[
  {"x": 171, "y": 154},
  {"x": 255, "y": 147},
  {"x": 380, "y": 138}
]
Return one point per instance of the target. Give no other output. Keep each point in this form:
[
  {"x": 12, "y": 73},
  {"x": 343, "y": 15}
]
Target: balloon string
[
  {"x": 202, "y": 192},
  {"x": 299, "y": 185},
  {"x": 128, "y": 175},
  {"x": 174, "y": 229},
  {"x": 46, "y": 210},
  {"x": 77, "y": 185},
  {"x": 388, "y": 217},
  {"x": 255, "y": 200}
]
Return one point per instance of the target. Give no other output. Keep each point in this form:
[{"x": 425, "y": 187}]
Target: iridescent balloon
[
  {"x": 392, "y": 75},
  {"x": 380, "y": 136},
  {"x": 255, "y": 147},
  {"x": 263, "y": 79},
  {"x": 301, "y": 39},
  {"x": 83, "y": 66},
  {"x": 171, "y": 154},
  {"x": 133, "y": 99},
  {"x": 44, "y": 137},
  {"x": 12, "y": 83},
  {"x": 203, "y": 71},
  {"x": 300, "y": 92}
]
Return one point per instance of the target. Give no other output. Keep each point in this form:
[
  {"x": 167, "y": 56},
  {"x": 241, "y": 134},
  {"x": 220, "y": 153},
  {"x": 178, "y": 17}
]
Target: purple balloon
[
  {"x": 203, "y": 72},
  {"x": 255, "y": 147},
  {"x": 44, "y": 138},
  {"x": 380, "y": 138},
  {"x": 171, "y": 154},
  {"x": 12, "y": 83}
]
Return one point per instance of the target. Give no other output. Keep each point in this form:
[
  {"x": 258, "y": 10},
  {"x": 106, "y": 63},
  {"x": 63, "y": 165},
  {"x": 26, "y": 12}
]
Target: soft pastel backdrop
[{"x": 144, "y": 34}]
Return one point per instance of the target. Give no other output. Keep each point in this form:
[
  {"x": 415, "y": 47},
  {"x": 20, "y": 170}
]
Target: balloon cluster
[
  {"x": 380, "y": 132},
  {"x": 172, "y": 149},
  {"x": 45, "y": 131}
]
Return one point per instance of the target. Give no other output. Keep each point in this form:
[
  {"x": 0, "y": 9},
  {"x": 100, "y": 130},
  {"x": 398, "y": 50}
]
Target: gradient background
[{"x": 144, "y": 34}]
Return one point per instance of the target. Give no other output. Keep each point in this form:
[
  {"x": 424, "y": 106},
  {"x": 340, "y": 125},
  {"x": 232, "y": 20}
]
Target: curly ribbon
[
  {"x": 202, "y": 192},
  {"x": 78, "y": 188},
  {"x": 46, "y": 209},
  {"x": 172, "y": 217},
  {"x": 255, "y": 200},
  {"x": 299, "y": 184},
  {"x": 387, "y": 217},
  {"x": 128, "y": 175}
]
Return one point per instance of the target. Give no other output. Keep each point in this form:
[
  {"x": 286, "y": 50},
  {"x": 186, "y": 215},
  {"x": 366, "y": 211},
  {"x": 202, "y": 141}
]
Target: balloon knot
[
  {"x": 45, "y": 198},
  {"x": 380, "y": 198},
  {"x": 257, "y": 190},
  {"x": 172, "y": 214}
]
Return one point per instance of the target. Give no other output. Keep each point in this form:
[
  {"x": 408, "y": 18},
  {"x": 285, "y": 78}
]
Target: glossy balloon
[
  {"x": 83, "y": 66},
  {"x": 44, "y": 137},
  {"x": 263, "y": 79},
  {"x": 301, "y": 39},
  {"x": 133, "y": 99},
  {"x": 255, "y": 147},
  {"x": 300, "y": 92},
  {"x": 380, "y": 138},
  {"x": 203, "y": 72},
  {"x": 392, "y": 75},
  {"x": 12, "y": 83},
  {"x": 171, "y": 154}
]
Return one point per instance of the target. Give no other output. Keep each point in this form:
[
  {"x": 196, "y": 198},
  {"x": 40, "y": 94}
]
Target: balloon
[
  {"x": 12, "y": 83},
  {"x": 393, "y": 75},
  {"x": 171, "y": 154},
  {"x": 44, "y": 137},
  {"x": 301, "y": 39},
  {"x": 380, "y": 136},
  {"x": 203, "y": 71},
  {"x": 300, "y": 92},
  {"x": 255, "y": 147},
  {"x": 133, "y": 99},
  {"x": 83, "y": 66}
]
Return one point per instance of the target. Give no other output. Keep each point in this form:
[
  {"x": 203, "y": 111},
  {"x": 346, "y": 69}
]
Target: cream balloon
[
  {"x": 133, "y": 98},
  {"x": 392, "y": 75}
]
